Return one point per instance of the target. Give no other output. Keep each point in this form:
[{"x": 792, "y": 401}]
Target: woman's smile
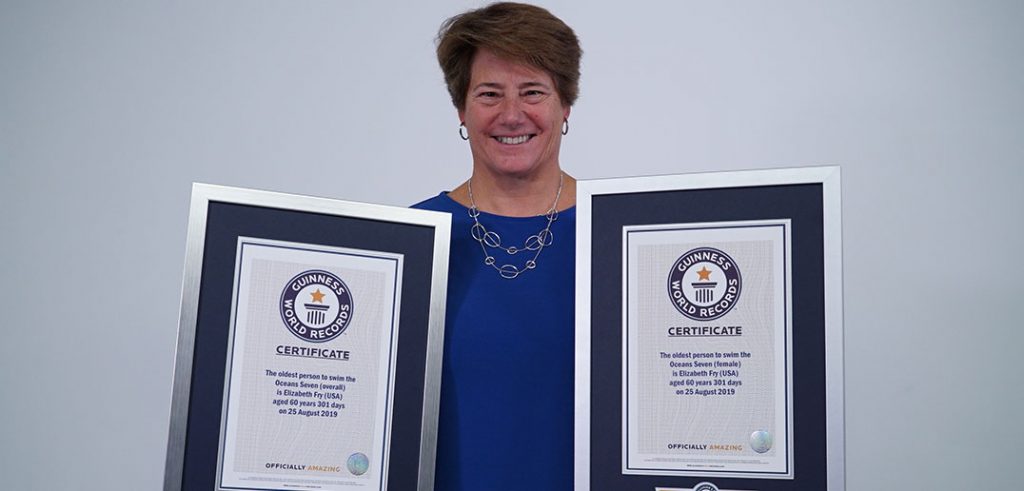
[{"x": 514, "y": 140}]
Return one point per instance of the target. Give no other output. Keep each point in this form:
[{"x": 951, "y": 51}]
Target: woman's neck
[{"x": 515, "y": 196}]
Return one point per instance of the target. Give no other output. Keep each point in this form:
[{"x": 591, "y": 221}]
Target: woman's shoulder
[{"x": 440, "y": 202}]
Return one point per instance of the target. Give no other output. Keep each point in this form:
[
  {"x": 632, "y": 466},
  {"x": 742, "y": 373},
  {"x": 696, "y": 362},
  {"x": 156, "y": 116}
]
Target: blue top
[{"x": 506, "y": 419}]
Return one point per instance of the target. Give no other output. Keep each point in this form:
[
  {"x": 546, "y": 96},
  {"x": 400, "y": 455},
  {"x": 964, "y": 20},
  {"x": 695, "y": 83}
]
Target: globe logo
[
  {"x": 761, "y": 441},
  {"x": 358, "y": 463}
]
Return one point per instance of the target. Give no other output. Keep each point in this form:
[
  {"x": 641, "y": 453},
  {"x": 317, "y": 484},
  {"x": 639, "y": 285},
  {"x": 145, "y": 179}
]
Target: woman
[{"x": 506, "y": 419}]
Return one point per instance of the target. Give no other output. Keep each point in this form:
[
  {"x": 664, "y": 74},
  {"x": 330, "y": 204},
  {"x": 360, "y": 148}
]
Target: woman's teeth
[{"x": 513, "y": 140}]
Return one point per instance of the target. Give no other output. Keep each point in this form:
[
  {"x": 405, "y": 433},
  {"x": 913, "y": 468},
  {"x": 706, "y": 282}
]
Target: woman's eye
[{"x": 534, "y": 95}]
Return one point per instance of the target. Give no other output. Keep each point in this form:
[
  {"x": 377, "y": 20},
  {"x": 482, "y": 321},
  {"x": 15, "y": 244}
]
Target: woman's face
[{"x": 513, "y": 116}]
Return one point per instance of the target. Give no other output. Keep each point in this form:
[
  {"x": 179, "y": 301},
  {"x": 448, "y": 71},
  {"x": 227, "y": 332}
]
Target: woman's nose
[{"x": 512, "y": 111}]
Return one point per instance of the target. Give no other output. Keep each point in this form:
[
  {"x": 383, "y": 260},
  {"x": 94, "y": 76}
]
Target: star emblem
[
  {"x": 704, "y": 273},
  {"x": 318, "y": 297}
]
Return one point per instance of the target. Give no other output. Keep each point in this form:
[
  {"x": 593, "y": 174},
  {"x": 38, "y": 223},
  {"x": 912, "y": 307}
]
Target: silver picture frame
[
  {"x": 383, "y": 228},
  {"x": 607, "y": 206}
]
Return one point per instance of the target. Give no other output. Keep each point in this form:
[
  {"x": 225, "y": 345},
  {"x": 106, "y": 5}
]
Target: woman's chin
[{"x": 516, "y": 168}]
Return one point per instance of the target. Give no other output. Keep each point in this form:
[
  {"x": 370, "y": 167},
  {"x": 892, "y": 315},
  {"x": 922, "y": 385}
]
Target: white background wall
[{"x": 109, "y": 110}]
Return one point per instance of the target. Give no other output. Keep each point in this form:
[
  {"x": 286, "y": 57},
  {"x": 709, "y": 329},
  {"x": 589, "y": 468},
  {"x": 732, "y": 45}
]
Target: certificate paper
[
  {"x": 706, "y": 360},
  {"x": 310, "y": 372}
]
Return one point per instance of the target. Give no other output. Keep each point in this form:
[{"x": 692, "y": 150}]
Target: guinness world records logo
[
  {"x": 704, "y": 284},
  {"x": 316, "y": 306}
]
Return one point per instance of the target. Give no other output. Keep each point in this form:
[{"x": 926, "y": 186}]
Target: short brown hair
[{"x": 517, "y": 32}]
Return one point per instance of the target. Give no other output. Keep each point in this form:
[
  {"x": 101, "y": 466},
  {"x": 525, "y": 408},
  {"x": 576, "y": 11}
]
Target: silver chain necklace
[{"x": 536, "y": 242}]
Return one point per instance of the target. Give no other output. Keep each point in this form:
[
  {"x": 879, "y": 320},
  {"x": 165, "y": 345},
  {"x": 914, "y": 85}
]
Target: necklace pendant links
[{"x": 535, "y": 243}]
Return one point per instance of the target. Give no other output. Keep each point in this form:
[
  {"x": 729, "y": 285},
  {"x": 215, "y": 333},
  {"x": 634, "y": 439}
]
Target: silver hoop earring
[
  {"x": 565, "y": 126},
  {"x": 464, "y": 136}
]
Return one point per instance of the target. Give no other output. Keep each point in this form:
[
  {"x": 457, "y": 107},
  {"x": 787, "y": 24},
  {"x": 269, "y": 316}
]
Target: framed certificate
[
  {"x": 709, "y": 332},
  {"x": 309, "y": 345}
]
